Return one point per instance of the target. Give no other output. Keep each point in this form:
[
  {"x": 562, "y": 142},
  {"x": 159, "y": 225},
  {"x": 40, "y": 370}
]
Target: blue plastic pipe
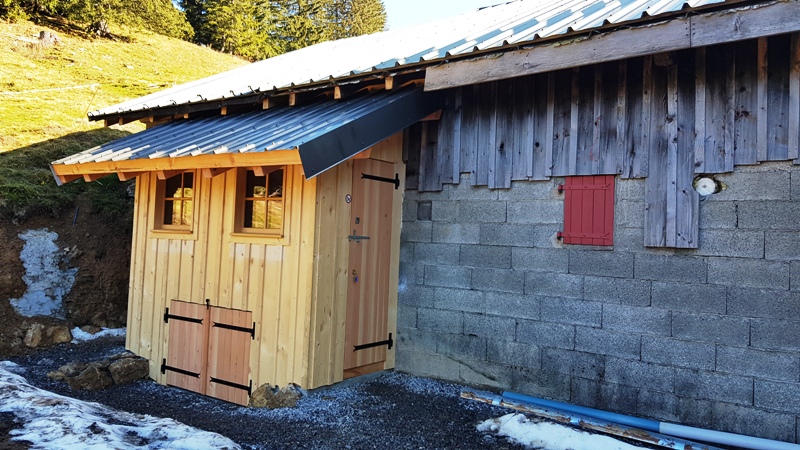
[{"x": 699, "y": 434}]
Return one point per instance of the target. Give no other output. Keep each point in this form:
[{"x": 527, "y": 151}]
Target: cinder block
[
  {"x": 440, "y": 321},
  {"x": 512, "y": 235},
  {"x": 456, "y": 233},
  {"x": 418, "y": 196},
  {"x": 493, "y": 327},
  {"x": 648, "y": 266},
  {"x": 541, "y": 383},
  {"x": 513, "y": 305},
  {"x": 715, "y": 215},
  {"x": 764, "y": 303},
  {"x": 514, "y": 354},
  {"x": 426, "y": 364},
  {"x": 715, "y": 328},
  {"x": 640, "y": 374},
  {"x": 775, "y": 215},
  {"x": 569, "y": 311},
  {"x": 442, "y": 254},
  {"x": 554, "y": 284},
  {"x": 795, "y": 276},
  {"x": 406, "y": 317},
  {"x": 604, "y": 396},
  {"x": 759, "y": 363},
  {"x": 629, "y": 240},
  {"x": 545, "y": 236},
  {"x": 536, "y": 211},
  {"x": 413, "y": 295},
  {"x": 674, "y": 352},
  {"x": 485, "y": 256},
  {"x": 411, "y": 274},
  {"x": 761, "y": 185},
  {"x": 604, "y": 342},
  {"x": 465, "y": 191},
  {"x": 756, "y": 273},
  {"x": 540, "y": 259},
  {"x": 753, "y": 422},
  {"x": 775, "y": 334},
  {"x": 795, "y": 175},
  {"x": 474, "y": 211},
  {"x": 543, "y": 334},
  {"x": 459, "y": 300},
  {"x": 499, "y": 280},
  {"x": 600, "y": 263},
  {"x": 413, "y": 340},
  {"x": 406, "y": 252},
  {"x": 668, "y": 407},
  {"x": 731, "y": 243},
  {"x": 714, "y": 386},
  {"x": 485, "y": 374},
  {"x": 569, "y": 362},
  {"x": 617, "y": 290},
  {"x": 629, "y": 213},
  {"x": 461, "y": 346},
  {"x": 706, "y": 298},
  {"x": 423, "y": 210},
  {"x": 634, "y": 319},
  {"x": 415, "y": 232},
  {"x": 448, "y": 276},
  {"x": 629, "y": 189},
  {"x": 409, "y": 210},
  {"x": 530, "y": 190},
  {"x": 783, "y": 245},
  {"x": 444, "y": 211}
]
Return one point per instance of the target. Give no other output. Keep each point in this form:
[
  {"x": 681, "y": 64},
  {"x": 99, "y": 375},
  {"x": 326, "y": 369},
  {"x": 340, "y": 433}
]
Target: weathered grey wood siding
[{"x": 664, "y": 117}]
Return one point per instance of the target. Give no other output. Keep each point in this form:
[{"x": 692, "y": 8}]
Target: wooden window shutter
[{"x": 588, "y": 210}]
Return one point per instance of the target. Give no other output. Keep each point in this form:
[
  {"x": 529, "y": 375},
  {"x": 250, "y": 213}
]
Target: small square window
[
  {"x": 588, "y": 210},
  {"x": 260, "y": 200},
  {"x": 175, "y": 202}
]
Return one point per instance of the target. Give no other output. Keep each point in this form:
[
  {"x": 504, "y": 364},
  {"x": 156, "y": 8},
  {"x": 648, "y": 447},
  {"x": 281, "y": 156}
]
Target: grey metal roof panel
[
  {"x": 282, "y": 128},
  {"x": 516, "y": 22}
]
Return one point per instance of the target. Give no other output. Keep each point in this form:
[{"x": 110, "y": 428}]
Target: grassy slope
[{"x": 45, "y": 94}]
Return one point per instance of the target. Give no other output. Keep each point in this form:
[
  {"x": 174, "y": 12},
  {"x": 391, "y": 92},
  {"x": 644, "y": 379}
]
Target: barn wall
[
  {"x": 271, "y": 279},
  {"x": 702, "y": 336}
]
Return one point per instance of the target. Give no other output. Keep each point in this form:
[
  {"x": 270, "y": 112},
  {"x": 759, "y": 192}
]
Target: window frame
[
  {"x": 157, "y": 226},
  {"x": 243, "y": 234}
]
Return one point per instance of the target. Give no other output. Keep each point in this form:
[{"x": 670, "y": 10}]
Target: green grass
[{"x": 45, "y": 94}]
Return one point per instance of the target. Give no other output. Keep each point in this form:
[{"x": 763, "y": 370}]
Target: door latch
[{"x": 357, "y": 238}]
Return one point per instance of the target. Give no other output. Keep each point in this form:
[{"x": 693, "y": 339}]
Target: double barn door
[{"x": 209, "y": 350}]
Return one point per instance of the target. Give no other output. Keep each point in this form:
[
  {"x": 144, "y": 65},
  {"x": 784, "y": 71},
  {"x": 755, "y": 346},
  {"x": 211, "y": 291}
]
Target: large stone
[
  {"x": 126, "y": 370},
  {"x": 73, "y": 369},
  {"x": 93, "y": 378},
  {"x": 57, "y": 334},
  {"x": 33, "y": 338},
  {"x": 267, "y": 396}
]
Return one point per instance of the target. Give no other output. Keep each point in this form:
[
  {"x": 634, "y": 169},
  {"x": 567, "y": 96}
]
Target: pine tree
[{"x": 350, "y": 18}]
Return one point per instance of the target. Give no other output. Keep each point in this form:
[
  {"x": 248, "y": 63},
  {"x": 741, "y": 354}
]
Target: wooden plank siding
[{"x": 667, "y": 117}]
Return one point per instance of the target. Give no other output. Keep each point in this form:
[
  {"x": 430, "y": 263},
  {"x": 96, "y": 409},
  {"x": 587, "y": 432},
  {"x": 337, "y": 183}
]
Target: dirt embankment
[{"x": 99, "y": 247}]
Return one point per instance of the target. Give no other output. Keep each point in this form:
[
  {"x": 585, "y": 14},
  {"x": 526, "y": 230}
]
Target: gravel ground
[{"x": 395, "y": 411}]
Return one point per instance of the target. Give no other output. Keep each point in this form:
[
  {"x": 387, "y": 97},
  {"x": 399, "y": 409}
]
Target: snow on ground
[
  {"x": 79, "y": 335},
  {"x": 539, "y": 435},
  {"x": 53, "y": 421}
]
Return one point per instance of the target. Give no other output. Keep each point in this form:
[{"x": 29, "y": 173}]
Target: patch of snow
[
  {"x": 540, "y": 435},
  {"x": 79, "y": 335},
  {"x": 47, "y": 283},
  {"x": 54, "y": 421}
]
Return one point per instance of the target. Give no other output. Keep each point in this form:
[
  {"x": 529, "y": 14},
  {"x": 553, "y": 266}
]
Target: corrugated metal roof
[
  {"x": 284, "y": 128},
  {"x": 514, "y": 23}
]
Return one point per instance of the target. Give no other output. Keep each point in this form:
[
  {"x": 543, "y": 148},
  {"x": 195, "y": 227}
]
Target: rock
[
  {"x": 128, "y": 369},
  {"x": 57, "y": 375},
  {"x": 33, "y": 338},
  {"x": 125, "y": 354},
  {"x": 267, "y": 396},
  {"x": 93, "y": 378},
  {"x": 91, "y": 329},
  {"x": 57, "y": 334},
  {"x": 48, "y": 38},
  {"x": 72, "y": 369}
]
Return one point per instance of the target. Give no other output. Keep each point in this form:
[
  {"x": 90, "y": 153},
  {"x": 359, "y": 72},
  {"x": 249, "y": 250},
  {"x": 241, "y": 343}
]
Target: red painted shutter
[{"x": 588, "y": 210}]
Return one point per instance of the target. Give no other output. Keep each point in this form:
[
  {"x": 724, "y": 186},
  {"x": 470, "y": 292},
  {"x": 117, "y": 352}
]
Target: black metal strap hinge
[
  {"x": 165, "y": 368},
  {"x": 389, "y": 342},
  {"x": 248, "y": 388},
  {"x": 250, "y": 331},
  {"x": 168, "y": 316},
  {"x": 395, "y": 181}
]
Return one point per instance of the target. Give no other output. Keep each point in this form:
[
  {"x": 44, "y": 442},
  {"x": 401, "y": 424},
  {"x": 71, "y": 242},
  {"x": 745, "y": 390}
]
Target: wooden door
[
  {"x": 230, "y": 334},
  {"x": 366, "y": 331},
  {"x": 185, "y": 365}
]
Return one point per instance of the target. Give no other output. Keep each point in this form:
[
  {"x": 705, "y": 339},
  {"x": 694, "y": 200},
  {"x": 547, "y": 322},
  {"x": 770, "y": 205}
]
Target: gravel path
[{"x": 395, "y": 411}]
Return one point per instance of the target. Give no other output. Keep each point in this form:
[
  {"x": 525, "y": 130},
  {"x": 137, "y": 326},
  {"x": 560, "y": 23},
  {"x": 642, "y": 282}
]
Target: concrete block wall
[{"x": 708, "y": 337}]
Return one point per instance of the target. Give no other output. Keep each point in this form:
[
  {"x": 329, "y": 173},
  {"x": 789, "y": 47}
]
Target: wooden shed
[{"x": 246, "y": 270}]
